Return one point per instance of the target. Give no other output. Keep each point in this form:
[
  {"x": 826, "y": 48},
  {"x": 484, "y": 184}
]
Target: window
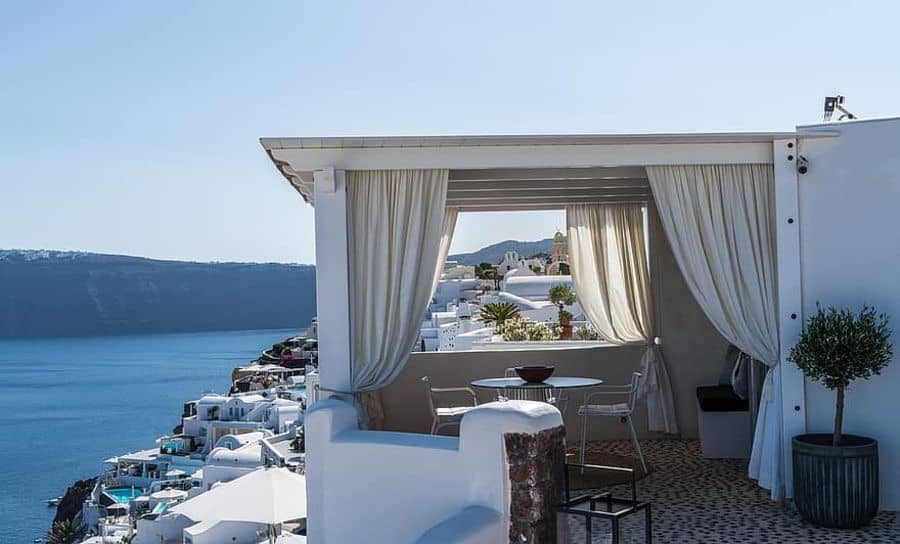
[{"x": 498, "y": 292}]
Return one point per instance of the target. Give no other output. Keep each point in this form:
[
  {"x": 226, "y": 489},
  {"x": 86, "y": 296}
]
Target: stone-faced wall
[{"x": 536, "y": 478}]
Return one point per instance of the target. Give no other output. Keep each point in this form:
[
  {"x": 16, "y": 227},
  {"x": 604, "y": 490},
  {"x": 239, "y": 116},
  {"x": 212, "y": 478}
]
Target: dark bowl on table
[{"x": 535, "y": 373}]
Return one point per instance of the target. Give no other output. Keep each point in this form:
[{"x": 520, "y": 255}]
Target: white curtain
[
  {"x": 608, "y": 261},
  {"x": 399, "y": 235},
  {"x": 449, "y": 226},
  {"x": 719, "y": 220}
]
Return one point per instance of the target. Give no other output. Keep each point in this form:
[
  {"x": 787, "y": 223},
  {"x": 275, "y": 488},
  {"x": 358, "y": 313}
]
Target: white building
[
  {"x": 455, "y": 271},
  {"x": 512, "y": 260},
  {"x": 215, "y": 416},
  {"x": 839, "y": 208},
  {"x": 534, "y": 287}
]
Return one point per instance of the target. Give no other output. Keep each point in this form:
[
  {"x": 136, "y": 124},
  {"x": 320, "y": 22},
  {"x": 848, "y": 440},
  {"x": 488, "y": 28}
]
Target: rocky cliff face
[
  {"x": 70, "y": 505},
  {"x": 45, "y": 293}
]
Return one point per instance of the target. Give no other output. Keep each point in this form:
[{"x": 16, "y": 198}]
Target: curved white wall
[{"x": 400, "y": 485}]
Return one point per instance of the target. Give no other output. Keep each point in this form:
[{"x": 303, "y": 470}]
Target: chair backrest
[
  {"x": 636, "y": 378},
  {"x": 428, "y": 394}
]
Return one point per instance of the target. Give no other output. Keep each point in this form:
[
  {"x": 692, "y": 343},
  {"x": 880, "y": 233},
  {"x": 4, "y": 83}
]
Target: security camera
[{"x": 802, "y": 164}]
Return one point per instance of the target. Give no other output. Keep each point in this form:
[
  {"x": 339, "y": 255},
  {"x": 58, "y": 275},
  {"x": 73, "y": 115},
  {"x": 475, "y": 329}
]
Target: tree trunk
[{"x": 838, "y": 417}]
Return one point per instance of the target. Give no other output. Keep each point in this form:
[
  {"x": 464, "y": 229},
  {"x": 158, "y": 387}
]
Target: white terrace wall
[
  {"x": 368, "y": 486},
  {"x": 694, "y": 351},
  {"x": 850, "y": 256}
]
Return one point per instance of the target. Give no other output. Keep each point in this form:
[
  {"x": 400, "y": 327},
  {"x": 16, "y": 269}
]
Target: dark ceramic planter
[{"x": 836, "y": 486}]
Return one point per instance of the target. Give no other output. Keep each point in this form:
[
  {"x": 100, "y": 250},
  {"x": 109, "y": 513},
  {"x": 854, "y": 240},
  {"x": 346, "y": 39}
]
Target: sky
[{"x": 133, "y": 127}]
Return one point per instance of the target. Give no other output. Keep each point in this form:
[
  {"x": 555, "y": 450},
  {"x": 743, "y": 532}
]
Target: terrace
[{"x": 385, "y": 211}]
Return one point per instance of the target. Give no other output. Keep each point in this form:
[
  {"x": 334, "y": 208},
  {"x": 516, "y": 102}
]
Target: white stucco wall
[
  {"x": 223, "y": 532},
  {"x": 850, "y": 249},
  {"x": 167, "y": 528},
  {"x": 402, "y": 484}
]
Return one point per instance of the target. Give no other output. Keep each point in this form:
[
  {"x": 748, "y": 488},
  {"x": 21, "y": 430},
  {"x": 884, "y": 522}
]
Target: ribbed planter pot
[{"x": 836, "y": 486}]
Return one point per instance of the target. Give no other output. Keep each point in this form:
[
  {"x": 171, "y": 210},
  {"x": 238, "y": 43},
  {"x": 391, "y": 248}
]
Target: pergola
[{"x": 506, "y": 173}]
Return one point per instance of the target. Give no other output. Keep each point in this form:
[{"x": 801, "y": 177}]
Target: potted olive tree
[
  {"x": 562, "y": 295},
  {"x": 836, "y": 474}
]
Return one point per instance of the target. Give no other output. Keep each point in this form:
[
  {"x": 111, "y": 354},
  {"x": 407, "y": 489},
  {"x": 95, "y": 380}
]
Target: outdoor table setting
[
  {"x": 533, "y": 381},
  {"x": 558, "y": 382}
]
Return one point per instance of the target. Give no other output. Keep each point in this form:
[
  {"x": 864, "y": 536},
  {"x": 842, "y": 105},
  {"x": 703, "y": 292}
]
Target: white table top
[{"x": 559, "y": 382}]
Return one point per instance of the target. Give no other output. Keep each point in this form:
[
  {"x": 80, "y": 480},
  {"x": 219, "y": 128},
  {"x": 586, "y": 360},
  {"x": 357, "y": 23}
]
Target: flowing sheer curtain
[
  {"x": 720, "y": 223},
  {"x": 608, "y": 260},
  {"x": 399, "y": 233}
]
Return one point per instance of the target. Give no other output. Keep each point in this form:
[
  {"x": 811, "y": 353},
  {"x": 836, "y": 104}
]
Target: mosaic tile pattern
[{"x": 713, "y": 501}]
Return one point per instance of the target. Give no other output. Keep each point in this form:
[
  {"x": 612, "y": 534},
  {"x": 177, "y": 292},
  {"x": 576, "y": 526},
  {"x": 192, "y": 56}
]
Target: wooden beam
[
  {"x": 525, "y": 156},
  {"x": 790, "y": 299},
  {"x": 598, "y": 194},
  {"x": 538, "y": 203},
  {"x": 548, "y": 173},
  {"x": 332, "y": 280},
  {"x": 546, "y": 184}
]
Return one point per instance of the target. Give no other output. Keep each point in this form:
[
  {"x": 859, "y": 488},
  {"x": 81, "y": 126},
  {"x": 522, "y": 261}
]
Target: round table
[
  {"x": 538, "y": 391},
  {"x": 558, "y": 382}
]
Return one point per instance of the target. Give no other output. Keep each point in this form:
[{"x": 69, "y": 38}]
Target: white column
[
  {"x": 332, "y": 280},
  {"x": 790, "y": 297}
]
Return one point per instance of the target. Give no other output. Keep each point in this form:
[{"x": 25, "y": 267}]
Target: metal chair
[
  {"x": 627, "y": 396},
  {"x": 450, "y": 415},
  {"x": 546, "y": 394}
]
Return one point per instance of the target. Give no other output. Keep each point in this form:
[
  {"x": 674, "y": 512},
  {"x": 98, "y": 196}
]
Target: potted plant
[
  {"x": 836, "y": 474},
  {"x": 562, "y": 295},
  {"x": 565, "y": 325}
]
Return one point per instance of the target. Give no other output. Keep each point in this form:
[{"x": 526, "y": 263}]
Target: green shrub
[
  {"x": 562, "y": 295},
  {"x": 521, "y": 329},
  {"x": 587, "y": 333},
  {"x": 498, "y": 313},
  {"x": 65, "y": 532}
]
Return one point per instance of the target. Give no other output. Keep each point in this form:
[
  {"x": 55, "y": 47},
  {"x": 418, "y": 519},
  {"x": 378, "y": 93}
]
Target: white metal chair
[
  {"x": 621, "y": 403},
  {"x": 450, "y": 415}
]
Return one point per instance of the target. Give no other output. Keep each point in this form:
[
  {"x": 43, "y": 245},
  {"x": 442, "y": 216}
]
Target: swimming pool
[{"x": 124, "y": 494}]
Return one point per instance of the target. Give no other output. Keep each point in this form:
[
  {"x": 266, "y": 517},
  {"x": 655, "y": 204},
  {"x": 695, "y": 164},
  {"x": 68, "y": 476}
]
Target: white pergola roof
[{"x": 491, "y": 173}]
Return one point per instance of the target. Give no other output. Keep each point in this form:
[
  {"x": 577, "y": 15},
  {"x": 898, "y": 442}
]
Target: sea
[{"x": 69, "y": 403}]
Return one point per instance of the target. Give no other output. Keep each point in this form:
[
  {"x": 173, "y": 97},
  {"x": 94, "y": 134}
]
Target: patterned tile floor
[{"x": 713, "y": 501}]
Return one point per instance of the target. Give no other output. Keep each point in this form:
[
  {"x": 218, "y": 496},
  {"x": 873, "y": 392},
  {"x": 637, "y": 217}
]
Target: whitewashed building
[{"x": 825, "y": 196}]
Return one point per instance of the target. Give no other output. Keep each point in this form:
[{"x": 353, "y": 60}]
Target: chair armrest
[
  {"x": 590, "y": 396},
  {"x": 468, "y": 390}
]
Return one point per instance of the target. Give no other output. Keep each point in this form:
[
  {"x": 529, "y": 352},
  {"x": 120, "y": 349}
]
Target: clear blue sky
[{"x": 133, "y": 127}]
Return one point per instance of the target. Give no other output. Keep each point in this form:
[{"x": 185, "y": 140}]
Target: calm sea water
[{"x": 68, "y": 404}]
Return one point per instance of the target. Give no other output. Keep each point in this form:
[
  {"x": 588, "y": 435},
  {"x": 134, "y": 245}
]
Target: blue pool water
[
  {"x": 123, "y": 495},
  {"x": 78, "y": 401}
]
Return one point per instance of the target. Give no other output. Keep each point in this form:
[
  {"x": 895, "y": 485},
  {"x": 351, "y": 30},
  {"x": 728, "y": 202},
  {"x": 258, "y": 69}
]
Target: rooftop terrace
[{"x": 713, "y": 501}]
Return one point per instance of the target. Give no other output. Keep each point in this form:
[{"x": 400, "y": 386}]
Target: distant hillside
[
  {"x": 64, "y": 293},
  {"x": 494, "y": 253},
  {"x": 52, "y": 293}
]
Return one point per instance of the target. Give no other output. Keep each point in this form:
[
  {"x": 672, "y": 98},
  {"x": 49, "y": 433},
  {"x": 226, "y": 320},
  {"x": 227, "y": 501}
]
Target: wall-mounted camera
[{"x": 802, "y": 164}]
